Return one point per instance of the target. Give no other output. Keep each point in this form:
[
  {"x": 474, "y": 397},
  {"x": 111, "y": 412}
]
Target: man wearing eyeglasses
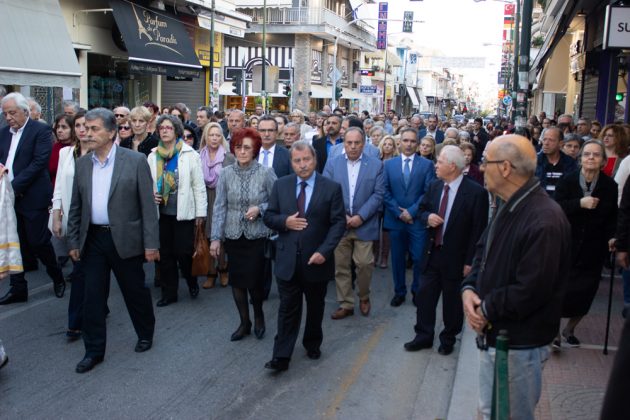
[
  {"x": 519, "y": 275},
  {"x": 552, "y": 163}
]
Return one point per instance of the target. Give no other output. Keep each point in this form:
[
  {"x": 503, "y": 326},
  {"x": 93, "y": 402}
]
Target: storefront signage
[
  {"x": 381, "y": 37},
  {"x": 369, "y": 90},
  {"x": 617, "y": 27},
  {"x": 156, "y": 43}
]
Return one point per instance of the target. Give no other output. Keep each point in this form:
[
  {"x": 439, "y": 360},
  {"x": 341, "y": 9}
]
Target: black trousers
[
  {"x": 290, "y": 313},
  {"x": 434, "y": 282},
  {"x": 99, "y": 257},
  {"x": 32, "y": 228},
  {"x": 176, "y": 248}
]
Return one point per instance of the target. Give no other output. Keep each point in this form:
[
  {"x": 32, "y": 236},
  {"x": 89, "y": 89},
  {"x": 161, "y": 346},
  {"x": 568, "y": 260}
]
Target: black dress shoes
[
  {"x": 415, "y": 345},
  {"x": 278, "y": 364},
  {"x": 165, "y": 302},
  {"x": 259, "y": 332},
  {"x": 194, "y": 291},
  {"x": 445, "y": 349},
  {"x": 143, "y": 345},
  {"x": 12, "y": 297},
  {"x": 88, "y": 364},
  {"x": 242, "y": 331},
  {"x": 60, "y": 288},
  {"x": 397, "y": 300},
  {"x": 314, "y": 354}
]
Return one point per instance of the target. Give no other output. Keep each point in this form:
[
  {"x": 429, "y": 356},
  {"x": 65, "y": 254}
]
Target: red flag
[{"x": 508, "y": 9}]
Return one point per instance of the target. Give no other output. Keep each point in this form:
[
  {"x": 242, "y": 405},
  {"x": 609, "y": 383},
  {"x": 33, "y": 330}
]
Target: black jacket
[
  {"x": 521, "y": 268},
  {"x": 145, "y": 147}
]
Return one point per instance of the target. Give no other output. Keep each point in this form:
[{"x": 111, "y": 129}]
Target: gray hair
[
  {"x": 19, "y": 99},
  {"x": 368, "y": 121},
  {"x": 521, "y": 164},
  {"x": 463, "y": 134},
  {"x": 355, "y": 129},
  {"x": 553, "y": 128},
  {"x": 3, "y": 91},
  {"x": 33, "y": 102},
  {"x": 455, "y": 155},
  {"x": 451, "y": 130},
  {"x": 177, "y": 124},
  {"x": 377, "y": 128},
  {"x": 73, "y": 104},
  {"x": 601, "y": 146},
  {"x": 292, "y": 125},
  {"x": 105, "y": 115},
  {"x": 303, "y": 145},
  {"x": 237, "y": 112}
]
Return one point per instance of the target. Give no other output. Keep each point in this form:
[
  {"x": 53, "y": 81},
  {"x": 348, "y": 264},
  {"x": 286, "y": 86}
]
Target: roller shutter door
[{"x": 189, "y": 92}]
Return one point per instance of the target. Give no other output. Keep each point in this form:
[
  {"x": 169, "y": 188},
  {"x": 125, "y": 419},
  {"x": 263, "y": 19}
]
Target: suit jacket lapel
[
  {"x": 315, "y": 196},
  {"x": 24, "y": 137},
  {"x": 362, "y": 173},
  {"x": 119, "y": 162},
  {"x": 90, "y": 169},
  {"x": 457, "y": 204},
  {"x": 345, "y": 182}
]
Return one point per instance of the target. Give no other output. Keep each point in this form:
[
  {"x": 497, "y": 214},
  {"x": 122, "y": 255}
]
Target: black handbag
[{"x": 270, "y": 247}]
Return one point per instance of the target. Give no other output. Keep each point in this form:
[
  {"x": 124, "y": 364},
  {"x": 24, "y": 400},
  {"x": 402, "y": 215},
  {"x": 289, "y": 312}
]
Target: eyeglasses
[
  {"x": 591, "y": 154},
  {"x": 485, "y": 162},
  {"x": 124, "y": 127},
  {"x": 119, "y": 115},
  {"x": 166, "y": 128},
  {"x": 188, "y": 136},
  {"x": 266, "y": 130}
]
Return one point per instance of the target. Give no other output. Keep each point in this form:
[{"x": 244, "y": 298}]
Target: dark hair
[
  {"x": 152, "y": 107},
  {"x": 77, "y": 144},
  {"x": 240, "y": 134},
  {"x": 105, "y": 115},
  {"x": 335, "y": 116},
  {"x": 406, "y": 129},
  {"x": 177, "y": 125},
  {"x": 267, "y": 117},
  {"x": 181, "y": 109},
  {"x": 284, "y": 118},
  {"x": 69, "y": 120},
  {"x": 354, "y": 122},
  {"x": 479, "y": 120},
  {"x": 194, "y": 134},
  {"x": 219, "y": 114},
  {"x": 207, "y": 110}
]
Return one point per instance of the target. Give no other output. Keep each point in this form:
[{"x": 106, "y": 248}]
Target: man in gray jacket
[{"x": 112, "y": 225}]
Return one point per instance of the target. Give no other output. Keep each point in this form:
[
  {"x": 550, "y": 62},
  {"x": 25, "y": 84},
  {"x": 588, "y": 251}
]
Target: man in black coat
[
  {"x": 307, "y": 211},
  {"x": 455, "y": 208},
  {"x": 25, "y": 147},
  {"x": 322, "y": 145}
]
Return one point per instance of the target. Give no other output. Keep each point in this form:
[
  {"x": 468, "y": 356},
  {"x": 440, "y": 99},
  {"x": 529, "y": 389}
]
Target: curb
[{"x": 465, "y": 395}]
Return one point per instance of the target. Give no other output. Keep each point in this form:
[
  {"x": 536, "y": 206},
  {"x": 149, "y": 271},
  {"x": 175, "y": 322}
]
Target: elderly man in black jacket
[{"x": 519, "y": 275}]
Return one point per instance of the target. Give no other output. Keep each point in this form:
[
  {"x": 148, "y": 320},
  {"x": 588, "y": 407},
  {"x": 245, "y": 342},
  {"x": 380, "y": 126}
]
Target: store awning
[
  {"x": 421, "y": 98},
  {"x": 224, "y": 25},
  {"x": 350, "y": 94},
  {"x": 35, "y": 48},
  {"x": 321, "y": 92},
  {"x": 413, "y": 97},
  {"x": 156, "y": 43},
  {"x": 226, "y": 90},
  {"x": 557, "y": 30}
]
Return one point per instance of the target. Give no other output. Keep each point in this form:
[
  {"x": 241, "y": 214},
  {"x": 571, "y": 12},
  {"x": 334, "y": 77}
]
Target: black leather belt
[{"x": 100, "y": 227}]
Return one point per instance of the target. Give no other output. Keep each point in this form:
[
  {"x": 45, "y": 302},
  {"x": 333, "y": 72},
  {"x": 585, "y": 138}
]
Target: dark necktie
[
  {"x": 439, "y": 236},
  {"x": 301, "y": 200},
  {"x": 406, "y": 172}
]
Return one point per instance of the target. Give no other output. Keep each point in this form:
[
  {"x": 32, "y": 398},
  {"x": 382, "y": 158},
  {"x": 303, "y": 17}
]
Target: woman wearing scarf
[
  {"x": 589, "y": 199},
  {"x": 215, "y": 155},
  {"x": 179, "y": 193}
]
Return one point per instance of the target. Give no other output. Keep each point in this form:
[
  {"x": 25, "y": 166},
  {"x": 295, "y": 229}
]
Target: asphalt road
[{"x": 193, "y": 371}]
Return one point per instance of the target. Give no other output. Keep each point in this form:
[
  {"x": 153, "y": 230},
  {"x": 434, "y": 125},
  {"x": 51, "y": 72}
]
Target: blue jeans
[
  {"x": 403, "y": 240},
  {"x": 525, "y": 381}
]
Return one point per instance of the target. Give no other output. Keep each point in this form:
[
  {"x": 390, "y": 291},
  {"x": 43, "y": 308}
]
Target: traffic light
[
  {"x": 238, "y": 85},
  {"x": 287, "y": 89},
  {"x": 338, "y": 93},
  {"x": 619, "y": 97}
]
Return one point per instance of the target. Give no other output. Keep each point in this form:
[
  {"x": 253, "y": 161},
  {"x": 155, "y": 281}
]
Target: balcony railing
[{"x": 310, "y": 16}]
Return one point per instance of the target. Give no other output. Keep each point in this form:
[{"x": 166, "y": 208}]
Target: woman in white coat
[
  {"x": 60, "y": 208},
  {"x": 180, "y": 193}
]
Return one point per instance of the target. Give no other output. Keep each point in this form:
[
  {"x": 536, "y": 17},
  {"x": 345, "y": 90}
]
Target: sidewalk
[{"x": 574, "y": 381}]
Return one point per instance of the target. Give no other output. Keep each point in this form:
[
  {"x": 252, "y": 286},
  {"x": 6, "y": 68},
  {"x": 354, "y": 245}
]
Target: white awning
[
  {"x": 412, "y": 95},
  {"x": 421, "y": 98},
  {"x": 226, "y": 90},
  {"x": 321, "y": 92},
  {"x": 35, "y": 46},
  {"x": 350, "y": 94}
]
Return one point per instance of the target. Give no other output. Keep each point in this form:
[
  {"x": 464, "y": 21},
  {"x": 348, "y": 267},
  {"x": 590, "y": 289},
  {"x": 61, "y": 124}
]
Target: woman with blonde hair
[
  {"x": 215, "y": 155},
  {"x": 426, "y": 148},
  {"x": 298, "y": 117},
  {"x": 141, "y": 141}
]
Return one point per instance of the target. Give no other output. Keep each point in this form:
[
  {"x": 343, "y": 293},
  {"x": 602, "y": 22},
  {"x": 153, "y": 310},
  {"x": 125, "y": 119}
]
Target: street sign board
[
  {"x": 381, "y": 36},
  {"x": 408, "y": 22},
  {"x": 335, "y": 75},
  {"x": 367, "y": 89},
  {"x": 507, "y": 100}
]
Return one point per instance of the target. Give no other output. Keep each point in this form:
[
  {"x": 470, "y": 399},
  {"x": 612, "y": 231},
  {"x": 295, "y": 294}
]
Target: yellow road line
[{"x": 351, "y": 377}]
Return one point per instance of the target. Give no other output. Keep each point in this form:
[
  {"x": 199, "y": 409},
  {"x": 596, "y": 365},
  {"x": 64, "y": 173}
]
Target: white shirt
[
  {"x": 452, "y": 192},
  {"x": 270, "y": 152},
  {"x": 15, "y": 141},
  {"x": 353, "y": 176},
  {"x": 403, "y": 158}
]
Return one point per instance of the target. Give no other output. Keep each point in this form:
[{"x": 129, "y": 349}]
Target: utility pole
[
  {"x": 522, "y": 93},
  {"x": 212, "y": 55},
  {"x": 263, "y": 92}
]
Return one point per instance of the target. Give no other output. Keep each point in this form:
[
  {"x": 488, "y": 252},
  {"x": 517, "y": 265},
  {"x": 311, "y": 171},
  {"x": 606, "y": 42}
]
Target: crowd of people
[{"x": 511, "y": 226}]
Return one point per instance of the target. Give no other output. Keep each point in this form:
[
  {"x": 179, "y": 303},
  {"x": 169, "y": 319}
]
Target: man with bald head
[{"x": 519, "y": 275}]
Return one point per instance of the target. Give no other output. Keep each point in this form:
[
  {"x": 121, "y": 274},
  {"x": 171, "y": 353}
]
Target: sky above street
[{"x": 455, "y": 28}]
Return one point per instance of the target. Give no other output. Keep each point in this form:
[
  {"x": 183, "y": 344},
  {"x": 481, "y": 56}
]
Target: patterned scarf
[{"x": 166, "y": 166}]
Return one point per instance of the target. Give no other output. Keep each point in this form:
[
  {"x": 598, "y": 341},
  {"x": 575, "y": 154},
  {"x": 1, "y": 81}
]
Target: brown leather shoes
[
  {"x": 342, "y": 313},
  {"x": 209, "y": 283},
  {"x": 223, "y": 277},
  {"x": 364, "y": 307}
]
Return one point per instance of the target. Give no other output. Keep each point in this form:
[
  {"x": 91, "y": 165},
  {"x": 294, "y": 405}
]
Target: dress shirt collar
[
  {"x": 309, "y": 182},
  {"x": 21, "y": 129},
  {"x": 454, "y": 185},
  {"x": 111, "y": 156}
]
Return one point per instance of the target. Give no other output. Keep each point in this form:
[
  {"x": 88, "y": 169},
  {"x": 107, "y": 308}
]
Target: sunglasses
[
  {"x": 119, "y": 115},
  {"x": 188, "y": 136},
  {"x": 124, "y": 127}
]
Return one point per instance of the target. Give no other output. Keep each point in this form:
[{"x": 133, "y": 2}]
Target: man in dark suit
[
  {"x": 455, "y": 208},
  {"x": 407, "y": 177},
  {"x": 272, "y": 155},
  {"x": 362, "y": 185},
  {"x": 479, "y": 138},
  {"x": 306, "y": 209},
  {"x": 432, "y": 130},
  {"x": 322, "y": 145},
  {"x": 112, "y": 225},
  {"x": 25, "y": 147}
]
